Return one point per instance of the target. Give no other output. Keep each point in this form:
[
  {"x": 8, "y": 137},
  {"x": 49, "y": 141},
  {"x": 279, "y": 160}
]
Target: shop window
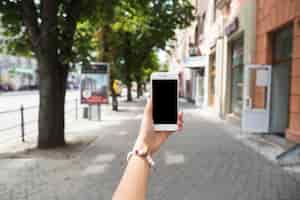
[
  {"x": 283, "y": 49},
  {"x": 237, "y": 74}
]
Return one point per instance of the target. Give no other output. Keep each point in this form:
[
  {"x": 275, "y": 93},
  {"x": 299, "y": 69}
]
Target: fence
[{"x": 22, "y": 123}]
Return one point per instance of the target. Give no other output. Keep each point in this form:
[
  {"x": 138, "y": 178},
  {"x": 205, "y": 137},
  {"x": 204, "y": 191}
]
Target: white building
[{"x": 187, "y": 59}]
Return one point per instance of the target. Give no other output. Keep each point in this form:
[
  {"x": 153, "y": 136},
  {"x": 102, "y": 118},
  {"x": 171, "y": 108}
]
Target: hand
[{"x": 149, "y": 140}]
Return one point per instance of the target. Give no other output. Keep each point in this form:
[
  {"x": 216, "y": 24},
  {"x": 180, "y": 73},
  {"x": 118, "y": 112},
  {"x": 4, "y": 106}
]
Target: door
[
  {"x": 256, "y": 101},
  {"x": 200, "y": 88},
  {"x": 280, "y": 93},
  {"x": 281, "y": 72}
]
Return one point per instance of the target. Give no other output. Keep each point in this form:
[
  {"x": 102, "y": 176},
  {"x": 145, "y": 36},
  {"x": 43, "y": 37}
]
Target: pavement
[{"x": 205, "y": 161}]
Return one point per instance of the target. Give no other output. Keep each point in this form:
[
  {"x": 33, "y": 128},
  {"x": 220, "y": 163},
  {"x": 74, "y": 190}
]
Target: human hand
[{"x": 149, "y": 140}]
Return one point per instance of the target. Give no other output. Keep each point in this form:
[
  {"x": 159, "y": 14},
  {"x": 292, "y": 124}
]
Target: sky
[{"x": 162, "y": 55}]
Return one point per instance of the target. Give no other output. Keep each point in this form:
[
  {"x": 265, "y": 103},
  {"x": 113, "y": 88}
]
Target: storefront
[
  {"x": 235, "y": 49},
  {"x": 278, "y": 45},
  {"x": 237, "y": 76},
  {"x": 196, "y": 79}
]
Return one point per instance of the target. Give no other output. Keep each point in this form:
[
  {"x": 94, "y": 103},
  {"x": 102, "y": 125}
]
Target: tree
[
  {"x": 146, "y": 25},
  {"x": 105, "y": 47},
  {"x": 57, "y": 36},
  {"x": 142, "y": 74}
]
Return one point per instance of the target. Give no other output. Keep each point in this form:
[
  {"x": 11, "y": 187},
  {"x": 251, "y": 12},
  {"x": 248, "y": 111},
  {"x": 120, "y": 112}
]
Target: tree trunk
[
  {"x": 144, "y": 87},
  {"x": 129, "y": 94},
  {"x": 52, "y": 104},
  {"x": 139, "y": 90}
]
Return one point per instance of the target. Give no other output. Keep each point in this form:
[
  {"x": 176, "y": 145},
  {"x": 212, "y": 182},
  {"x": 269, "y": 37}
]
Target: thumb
[{"x": 149, "y": 109}]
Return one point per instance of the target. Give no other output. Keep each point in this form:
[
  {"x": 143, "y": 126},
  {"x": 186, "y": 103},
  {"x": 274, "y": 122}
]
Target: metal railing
[{"x": 21, "y": 122}]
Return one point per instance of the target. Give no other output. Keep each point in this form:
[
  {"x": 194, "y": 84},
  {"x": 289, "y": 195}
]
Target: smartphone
[{"x": 165, "y": 100}]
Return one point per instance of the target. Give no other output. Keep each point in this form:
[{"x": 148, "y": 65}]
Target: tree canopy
[
  {"x": 59, "y": 33},
  {"x": 143, "y": 27}
]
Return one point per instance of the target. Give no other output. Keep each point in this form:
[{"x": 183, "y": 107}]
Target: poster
[
  {"x": 262, "y": 77},
  {"x": 94, "y": 84}
]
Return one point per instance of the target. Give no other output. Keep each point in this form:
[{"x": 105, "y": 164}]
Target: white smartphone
[{"x": 165, "y": 100}]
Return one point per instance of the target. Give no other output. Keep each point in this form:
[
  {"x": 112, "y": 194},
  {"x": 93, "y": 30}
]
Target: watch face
[{"x": 86, "y": 94}]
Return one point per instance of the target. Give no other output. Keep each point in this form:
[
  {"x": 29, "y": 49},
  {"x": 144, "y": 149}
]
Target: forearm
[{"x": 133, "y": 185}]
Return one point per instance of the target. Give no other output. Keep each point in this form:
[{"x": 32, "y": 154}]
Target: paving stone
[{"x": 203, "y": 162}]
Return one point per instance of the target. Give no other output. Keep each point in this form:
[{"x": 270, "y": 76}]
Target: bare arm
[
  {"x": 133, "y": 185},
  {"x": 134, "y": 182}
]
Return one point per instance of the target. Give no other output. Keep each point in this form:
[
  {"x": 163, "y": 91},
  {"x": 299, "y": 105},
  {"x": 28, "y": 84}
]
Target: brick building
[
  {"x": 252, "y": 73},
  {"x": 278, "y": 44}
]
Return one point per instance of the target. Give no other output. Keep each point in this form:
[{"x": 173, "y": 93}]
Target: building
[
  {"x": 17, "y": 73},
  {"x": 187, "y": 59},
  {"x": 229, "y": 42},
  {"x": 240, "y": 60},
  {"x": 278, "y": 45}
]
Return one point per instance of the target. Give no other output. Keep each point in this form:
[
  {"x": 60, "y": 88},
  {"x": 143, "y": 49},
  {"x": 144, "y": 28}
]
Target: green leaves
[
  {"x": 136, "y": 29},
  {"x": 144, "y": 26}
]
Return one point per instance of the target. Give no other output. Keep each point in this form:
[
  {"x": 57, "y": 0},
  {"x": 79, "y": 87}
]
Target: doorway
[
  {"x": 281, "y": 76},
  {"x": 198, "y": 86}
]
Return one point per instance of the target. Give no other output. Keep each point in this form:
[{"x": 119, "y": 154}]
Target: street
[
  {"x": 13, "y": 100},
  {"x": 231, "y": 66},
  {"x": 10, "y": 114},
  {"x": 202, "y": 162}
]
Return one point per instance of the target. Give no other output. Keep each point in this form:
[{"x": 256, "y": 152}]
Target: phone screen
[{"x": 164, "y": 97}]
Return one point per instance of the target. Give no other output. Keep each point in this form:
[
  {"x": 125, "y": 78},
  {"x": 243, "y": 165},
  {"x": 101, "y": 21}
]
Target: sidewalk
[{"x": 206, "y": 162}]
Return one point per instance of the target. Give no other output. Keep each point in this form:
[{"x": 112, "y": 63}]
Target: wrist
[
  {"x": 143, "y": 147},
  {"x": 133, "y": 160},
  {"x": 141, "y": 154}
]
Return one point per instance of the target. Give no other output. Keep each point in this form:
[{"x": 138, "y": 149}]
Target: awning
[{"x": 196, "y": 62}]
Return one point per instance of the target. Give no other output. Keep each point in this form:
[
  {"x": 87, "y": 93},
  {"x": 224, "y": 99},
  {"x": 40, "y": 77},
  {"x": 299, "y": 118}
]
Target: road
[
  {"x": 10, "y": 130},
  {"x": 202, "y": 162},
  {"x": 13, "y": 100}
]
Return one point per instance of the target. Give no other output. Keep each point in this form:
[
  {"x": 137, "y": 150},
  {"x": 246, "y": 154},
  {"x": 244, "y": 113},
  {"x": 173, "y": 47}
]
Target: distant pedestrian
[{"x": 133, "y": 185}]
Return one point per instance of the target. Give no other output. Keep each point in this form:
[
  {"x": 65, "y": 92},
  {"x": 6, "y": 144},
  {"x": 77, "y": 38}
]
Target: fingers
[
  {"x": 149, "y": 107},
  {"x": 180, "y": 125},
  {"x": 180, "y": 121}
]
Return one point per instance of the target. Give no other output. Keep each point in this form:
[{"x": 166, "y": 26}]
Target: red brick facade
[{"x": 271, "y": 15}]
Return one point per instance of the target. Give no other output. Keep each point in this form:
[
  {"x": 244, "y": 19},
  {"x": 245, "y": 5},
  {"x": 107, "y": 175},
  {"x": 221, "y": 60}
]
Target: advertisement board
[{"x": 94, "y": 84}]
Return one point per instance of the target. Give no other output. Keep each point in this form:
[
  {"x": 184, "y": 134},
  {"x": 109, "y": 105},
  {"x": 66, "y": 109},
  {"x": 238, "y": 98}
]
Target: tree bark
[
  {"x": 144, "y": 87},
  {"x": 129, "y": 94},
  {"x": 139, "y": 89},
  {"x": 52, "y": 104},
  {"x": 53, "y": 69}
]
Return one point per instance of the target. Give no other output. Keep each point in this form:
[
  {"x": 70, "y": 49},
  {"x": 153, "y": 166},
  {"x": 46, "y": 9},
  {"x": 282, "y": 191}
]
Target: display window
[{"x": 237, "y": 76}]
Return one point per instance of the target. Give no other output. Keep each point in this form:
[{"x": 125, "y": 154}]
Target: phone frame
[{"x": 165, "y": 76}]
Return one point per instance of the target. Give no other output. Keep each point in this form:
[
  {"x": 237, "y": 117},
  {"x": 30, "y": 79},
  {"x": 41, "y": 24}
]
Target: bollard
[{"x": 22, "y": 124}]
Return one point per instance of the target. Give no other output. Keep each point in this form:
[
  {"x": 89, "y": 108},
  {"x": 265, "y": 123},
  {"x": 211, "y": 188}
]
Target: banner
[{"x": 94, "y": 84}]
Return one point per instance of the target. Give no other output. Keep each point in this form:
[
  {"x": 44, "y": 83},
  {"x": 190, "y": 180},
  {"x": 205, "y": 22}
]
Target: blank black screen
[{"x": 164, "y": 95}]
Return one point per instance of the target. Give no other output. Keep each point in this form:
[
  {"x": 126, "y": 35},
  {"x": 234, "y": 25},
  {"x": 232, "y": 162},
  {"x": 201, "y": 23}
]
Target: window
[
  {"x": 282, "y": 41},
  {"x": 237, "y": 70}
]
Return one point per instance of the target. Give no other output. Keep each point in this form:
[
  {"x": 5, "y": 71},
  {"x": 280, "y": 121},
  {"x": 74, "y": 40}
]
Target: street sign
[{"x": 94, "y": 83}]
